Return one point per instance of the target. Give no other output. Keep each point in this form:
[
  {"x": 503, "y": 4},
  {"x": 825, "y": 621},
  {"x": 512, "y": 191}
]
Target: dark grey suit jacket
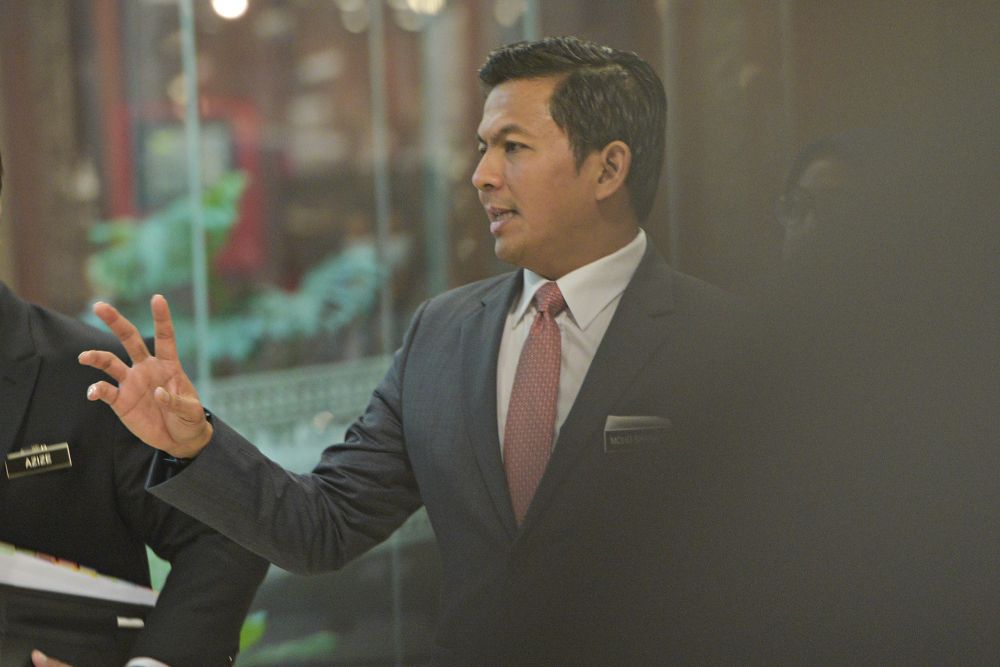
[
  {"x": 97, "y": 512},
  {"x": 593, "y": 574}
]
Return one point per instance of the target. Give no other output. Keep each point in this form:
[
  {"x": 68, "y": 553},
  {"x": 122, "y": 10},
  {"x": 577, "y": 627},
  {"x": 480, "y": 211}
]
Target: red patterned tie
[{"x": 531, "y": 414}]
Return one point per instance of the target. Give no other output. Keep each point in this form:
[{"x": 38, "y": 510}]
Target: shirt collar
[{"x": 589, "y": 289}]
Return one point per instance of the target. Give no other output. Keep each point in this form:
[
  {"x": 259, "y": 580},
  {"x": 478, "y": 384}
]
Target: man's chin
[{"x": 504, "y": 252}]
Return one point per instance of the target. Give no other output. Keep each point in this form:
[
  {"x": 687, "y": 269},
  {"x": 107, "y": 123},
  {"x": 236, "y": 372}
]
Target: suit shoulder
[
  {"x": 705, "y": 291},
  {"x": 463, "y": 299},
  {"x": 58, "y": 336},
  {"x": 695, "y": 293},
  {"x": 714, "y": 316}
]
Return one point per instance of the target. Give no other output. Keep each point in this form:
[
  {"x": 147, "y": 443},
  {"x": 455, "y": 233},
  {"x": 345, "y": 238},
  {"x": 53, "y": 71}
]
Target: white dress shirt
[{"x": 592, "y": 293}]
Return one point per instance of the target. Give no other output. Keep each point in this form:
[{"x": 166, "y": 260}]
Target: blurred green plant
[
  {"x": 253, "y": 628},
  {"x": 158, "y": 570},
  {"x": 310, "y": 650},
  {"x": 136, "y": 259},
  {"x": 139, "y": 258}
]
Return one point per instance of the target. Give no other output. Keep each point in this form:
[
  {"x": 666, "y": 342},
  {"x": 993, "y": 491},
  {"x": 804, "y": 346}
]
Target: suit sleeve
[
  {"x": 212, "y": 580},
  {"x": 361, "y": 490}
]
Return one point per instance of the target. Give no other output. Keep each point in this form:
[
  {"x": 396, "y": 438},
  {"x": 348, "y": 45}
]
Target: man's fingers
[
  {"x": 163, "y": 329},
  {"x": 102, "y": 391},
  {"x": 187, "y": 408},
  {"x": 124, "y": 330},
  {"x": 105, "y": 361},
  {"x": 189, "y": 427}
]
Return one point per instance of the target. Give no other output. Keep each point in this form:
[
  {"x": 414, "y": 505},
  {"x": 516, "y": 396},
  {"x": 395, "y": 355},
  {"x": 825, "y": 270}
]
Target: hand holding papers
[
  {"x": 39, "y": 659},
  {"x": 66, "y": 610}
]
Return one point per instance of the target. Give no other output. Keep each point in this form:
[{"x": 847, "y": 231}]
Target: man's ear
[{"x": 615, "y": 162}]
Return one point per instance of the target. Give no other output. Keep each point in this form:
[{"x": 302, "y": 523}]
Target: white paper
[{"x": 25, "y": 570}]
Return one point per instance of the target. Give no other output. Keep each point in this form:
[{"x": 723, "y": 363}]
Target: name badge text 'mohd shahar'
[
  {"x": 38, "y": 459},
  {"x": 634, "y": 433}
]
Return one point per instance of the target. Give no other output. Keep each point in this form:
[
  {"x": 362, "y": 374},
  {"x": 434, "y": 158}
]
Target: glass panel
[{"x": 356, "y": 129}]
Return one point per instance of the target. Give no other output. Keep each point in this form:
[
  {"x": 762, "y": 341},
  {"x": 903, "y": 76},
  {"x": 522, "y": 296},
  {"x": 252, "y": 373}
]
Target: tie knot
[{"x": 549, "y": 299}]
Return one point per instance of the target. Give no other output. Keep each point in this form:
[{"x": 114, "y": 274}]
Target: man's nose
[{"x": 487, "y": 174}]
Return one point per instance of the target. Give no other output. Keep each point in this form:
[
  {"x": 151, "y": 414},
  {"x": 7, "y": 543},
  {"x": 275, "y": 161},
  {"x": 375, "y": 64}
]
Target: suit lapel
[
  {"x": 480, "y": 345},
  {"x": 19, "y": 365},
  {"x": 641, "y": 324}
]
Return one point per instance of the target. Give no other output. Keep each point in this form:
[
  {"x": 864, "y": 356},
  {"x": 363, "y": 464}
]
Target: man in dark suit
[
  {"x": 551, "y": 420},
  {"x": 96, "y": 511}
]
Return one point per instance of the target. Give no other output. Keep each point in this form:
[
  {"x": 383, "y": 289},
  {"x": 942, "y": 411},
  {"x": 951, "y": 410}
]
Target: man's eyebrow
[{"x": 499, "y": 135}]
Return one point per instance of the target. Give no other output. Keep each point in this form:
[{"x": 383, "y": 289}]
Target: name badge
[
  {"x": 625, "y": 434},
  {"x": 37, "y": 459}
]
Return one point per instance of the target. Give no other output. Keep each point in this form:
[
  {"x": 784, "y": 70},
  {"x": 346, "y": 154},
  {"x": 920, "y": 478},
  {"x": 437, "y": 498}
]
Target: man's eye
[
  {"x": 482, "y": 149},
  {"x": 512, "y": 146}
]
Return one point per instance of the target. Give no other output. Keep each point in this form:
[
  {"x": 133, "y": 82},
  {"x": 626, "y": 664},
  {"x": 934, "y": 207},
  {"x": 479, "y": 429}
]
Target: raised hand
[{"x": 154, "y": 398}]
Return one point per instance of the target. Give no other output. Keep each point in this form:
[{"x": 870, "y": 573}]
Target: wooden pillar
[{"x": 45, "y": 218}]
